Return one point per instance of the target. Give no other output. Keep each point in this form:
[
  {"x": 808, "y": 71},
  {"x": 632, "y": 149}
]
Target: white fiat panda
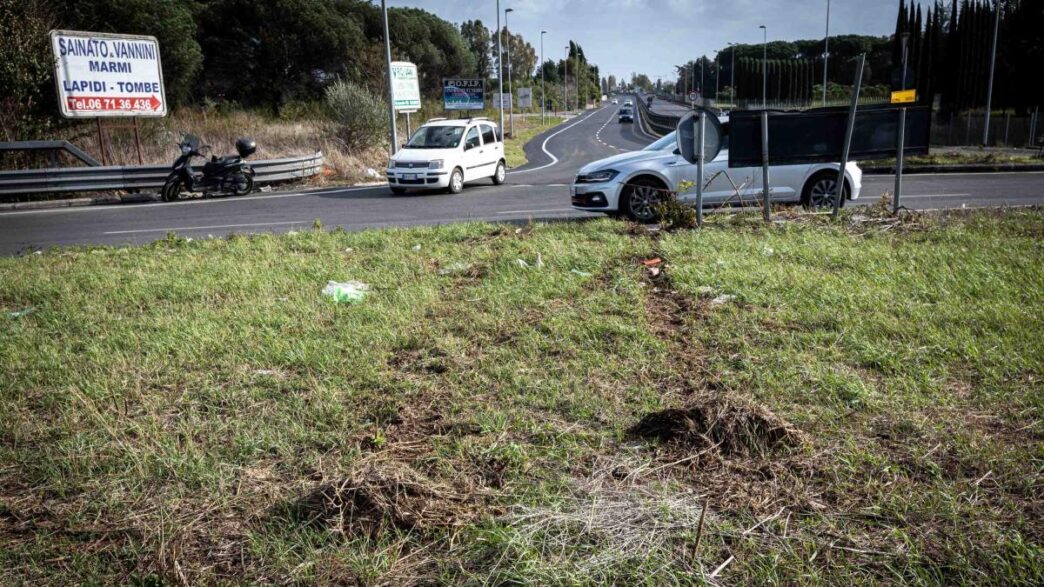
[{"x": 444, "y": 154}]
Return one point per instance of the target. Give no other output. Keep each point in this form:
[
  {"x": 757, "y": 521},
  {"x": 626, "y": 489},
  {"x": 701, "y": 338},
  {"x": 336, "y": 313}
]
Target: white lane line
[
  {"x": 543, "y": 146},
  {"x": 192, "y": 202},
  {"x": 214, "y": 226},
  {"x": 536, "y": 211},
  {"x": 935, "y": 195},
  {"x": 891, "y": 176}
]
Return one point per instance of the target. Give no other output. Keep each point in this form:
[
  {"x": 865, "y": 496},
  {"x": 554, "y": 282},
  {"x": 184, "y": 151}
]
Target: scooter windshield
[{"x": 191, "y": 141}]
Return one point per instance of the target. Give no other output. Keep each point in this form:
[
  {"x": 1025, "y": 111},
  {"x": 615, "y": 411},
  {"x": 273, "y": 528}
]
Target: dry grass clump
[
  {"x": 379, "y": 493},
  {"x": 732, "y": 426}
]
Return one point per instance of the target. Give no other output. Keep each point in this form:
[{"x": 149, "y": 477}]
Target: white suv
[
  {"x": 633, "y": 183},
  {"x": 443, "y": 154}
]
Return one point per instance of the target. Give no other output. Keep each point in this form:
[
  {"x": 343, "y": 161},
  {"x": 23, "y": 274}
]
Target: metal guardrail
[
  {"x": 133, "y": 177},
  {"x": 659, "y": 124},
  {"x": 50, "y": 146}
]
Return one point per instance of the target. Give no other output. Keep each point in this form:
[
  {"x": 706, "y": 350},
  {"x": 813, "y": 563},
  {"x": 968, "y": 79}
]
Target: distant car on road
[
  {"x": 444, "y": 154},
  {"x": 634, "y": 183},
  {"x": 626, "y": 115},
  {"x": 615, "y": 101},
  {"x": 628, "y": 103}
]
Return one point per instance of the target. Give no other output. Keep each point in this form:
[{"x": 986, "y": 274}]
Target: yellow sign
[{"x": 904, "y": 97}]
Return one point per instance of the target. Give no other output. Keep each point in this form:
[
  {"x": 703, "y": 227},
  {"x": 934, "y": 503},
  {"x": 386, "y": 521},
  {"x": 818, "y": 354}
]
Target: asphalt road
[{"x": 538, "y": 190}]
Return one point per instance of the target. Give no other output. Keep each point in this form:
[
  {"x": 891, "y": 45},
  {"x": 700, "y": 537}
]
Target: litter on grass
[
  {"x": 652, "y": 262},
  {"x": 581, "y": 273},
  {"x": 455, "y": 268},
  {"x": 722, "y": 299},
  {"x": 21, "y": 313},
  {"x": 350, "y": 292}
]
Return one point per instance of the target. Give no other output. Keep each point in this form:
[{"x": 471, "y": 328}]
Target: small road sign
[
  {"x": 693, "y": 96},
  {"x": 904, "y": 97}
]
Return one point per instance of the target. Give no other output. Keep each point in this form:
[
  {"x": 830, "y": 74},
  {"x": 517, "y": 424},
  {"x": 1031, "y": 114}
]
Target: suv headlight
[
  {"x": 436, "y": 164},
  {"x": 597, "y": 176}
]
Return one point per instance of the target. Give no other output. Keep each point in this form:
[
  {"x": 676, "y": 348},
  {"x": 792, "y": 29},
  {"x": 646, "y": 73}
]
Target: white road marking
[
  {"x": 543, "y": 146},
  {"x": 214, "y": 226},
  {"x": 935, "y": 195}
]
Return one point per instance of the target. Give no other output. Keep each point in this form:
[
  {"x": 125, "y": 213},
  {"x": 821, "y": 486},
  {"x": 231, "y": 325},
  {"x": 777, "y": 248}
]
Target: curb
[
  {"x": 77, "y": 202},
  {"x": 973, "y": 168}
]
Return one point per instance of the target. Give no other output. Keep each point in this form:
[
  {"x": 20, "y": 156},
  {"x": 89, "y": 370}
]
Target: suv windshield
[{"x": 436, "y": 137}]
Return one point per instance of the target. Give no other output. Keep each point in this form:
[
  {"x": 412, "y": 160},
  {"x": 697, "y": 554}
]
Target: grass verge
[{"x": 800, "y": 403}]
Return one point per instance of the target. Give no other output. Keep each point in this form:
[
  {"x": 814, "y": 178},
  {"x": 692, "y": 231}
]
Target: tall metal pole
[
  {"x": 565, "y": 82},
  {"x": 543, "y": 94},
  {"x": 701, "y": 146},
  {"x": 717, "y": 73},
  {"x": 732, "y": 83},
  {"x": 577, "y": 76},
  {"x": 764, "y": 68},
  {"x": 766, "y": 186},
  {"x": 993, "y": 67},
  {"x": 826, "y": 54},
  {"x": 511, "y": 84},
  {"x": 387, "y": 65},
  {"x": 900, "y": 145},
  {"x": 500, "y": 71},
  {"x": 849, "y": 129}
]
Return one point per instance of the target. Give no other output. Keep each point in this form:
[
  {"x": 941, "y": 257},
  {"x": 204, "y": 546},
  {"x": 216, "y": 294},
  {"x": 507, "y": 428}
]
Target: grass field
[{"x": 799, "y": 403}]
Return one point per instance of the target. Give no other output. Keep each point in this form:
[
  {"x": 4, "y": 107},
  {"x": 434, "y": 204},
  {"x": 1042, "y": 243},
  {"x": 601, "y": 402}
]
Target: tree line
[
  {"x": 262, "y": 55},
  {"x": 948, "y": 57}
]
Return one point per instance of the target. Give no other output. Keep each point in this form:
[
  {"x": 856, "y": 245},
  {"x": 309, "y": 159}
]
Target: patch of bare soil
[
  {"x": 732, "y": 426},
  {"x": 379, "y": 494}
]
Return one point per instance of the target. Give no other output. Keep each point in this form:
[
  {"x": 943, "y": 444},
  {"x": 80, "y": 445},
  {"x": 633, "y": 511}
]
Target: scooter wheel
[
  {"x": 242, "y": 184},
  {"x": 171, "y": 190}
]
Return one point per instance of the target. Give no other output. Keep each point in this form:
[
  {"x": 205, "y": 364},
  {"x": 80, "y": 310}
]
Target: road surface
[{"x": 538, "y": 190}]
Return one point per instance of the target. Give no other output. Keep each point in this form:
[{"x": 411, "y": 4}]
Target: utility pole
[
  {"x": 500, "y": 72},
  {"x": 511, "y": 84},
  {"x": 543, "y": 94},
  {"x": 826, "y": 54},
  {"x": 993, "y": 68},
  {"x": 732, "y": 83},
  {"x": 717, "y": 73},
  {"x": 387, "y": 65},
  {"x": 764, "y": 68}
]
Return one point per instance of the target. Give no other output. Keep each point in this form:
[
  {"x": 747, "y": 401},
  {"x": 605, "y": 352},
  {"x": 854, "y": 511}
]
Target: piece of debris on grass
[
  {"x": 382, "y": 493},
  {"x": 456, "y": 268},
  {"x": 731, "y": 426},
  {"x": 350, "y": 292},
  {"x": 580, "y": 273},
  {"x": 652, "y": 262},
  {"x": 21, "y": 313},
  {"x": 722, "y": 299}
]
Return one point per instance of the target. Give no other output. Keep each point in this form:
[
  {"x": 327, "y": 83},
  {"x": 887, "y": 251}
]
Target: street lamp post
[
  {"x": 764, "y": 68},
  {"x": 732, "y": 83},
  {"x": 500, "y": 72},
  {"x": 717, "y": 73},
  {"x": 511, "y": 84},
  {"x": 993, "y": 66},
  {"x": 565, "y": 82},
  {"x": 387, "y": 64},
  {"x": 826, "y": 54},
  {"x": 543, "y": 94}
]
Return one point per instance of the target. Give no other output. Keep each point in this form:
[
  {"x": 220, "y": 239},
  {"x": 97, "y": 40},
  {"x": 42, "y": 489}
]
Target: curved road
[{"x": 537, "y": 190}]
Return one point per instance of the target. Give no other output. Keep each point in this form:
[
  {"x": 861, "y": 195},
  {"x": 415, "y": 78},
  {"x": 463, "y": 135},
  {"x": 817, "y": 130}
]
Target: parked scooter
[{"x": 228, "y": 175}]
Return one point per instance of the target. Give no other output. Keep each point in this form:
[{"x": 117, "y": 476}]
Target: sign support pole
[
  {"x": 766, "y": 211},
  {"x": 700, "y": 148},
  {"x": 839, "y": 189},
  {"x": 900, "y": 145},
  {"x": 101, "y": 140},
  {"x": 137, "y": 142},
  {"x": 408, "y": 131}
]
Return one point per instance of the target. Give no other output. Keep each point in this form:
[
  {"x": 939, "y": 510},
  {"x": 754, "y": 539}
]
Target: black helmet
[{"x": 246, "y": 146}]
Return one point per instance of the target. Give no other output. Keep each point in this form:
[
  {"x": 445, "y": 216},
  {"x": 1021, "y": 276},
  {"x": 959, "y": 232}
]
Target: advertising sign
[
  {"x": 525, "y": 97},
  {"x": 904, "y": 97},
  {"x": 405, "y": 87},
  {"x": 463, "y": 94},
  {"x": 817, "y": 136},
  {"x": 100, "y": 74},
  {"x": 502, "y": 101}
]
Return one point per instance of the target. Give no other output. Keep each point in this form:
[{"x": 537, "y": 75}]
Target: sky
[{"x": 652, "y": 36}]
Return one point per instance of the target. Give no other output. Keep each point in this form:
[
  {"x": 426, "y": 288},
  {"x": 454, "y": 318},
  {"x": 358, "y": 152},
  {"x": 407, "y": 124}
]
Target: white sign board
[
  {"x": 502, "y": 100},
  {"x": 405, "y": 87},
  {"x": 101, "y": 74},
  {"x": 525, "y": 97}
]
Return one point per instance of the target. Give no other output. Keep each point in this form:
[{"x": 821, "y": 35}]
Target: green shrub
[{"x": 361, "y": 118}]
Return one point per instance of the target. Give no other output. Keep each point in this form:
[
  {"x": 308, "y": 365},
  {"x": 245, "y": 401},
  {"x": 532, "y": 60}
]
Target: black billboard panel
[{"x": 817, "y": 136}]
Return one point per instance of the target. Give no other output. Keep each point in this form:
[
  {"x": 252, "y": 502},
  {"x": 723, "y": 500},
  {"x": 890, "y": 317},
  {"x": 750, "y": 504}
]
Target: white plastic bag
[{"x": 349, "y": 292}]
